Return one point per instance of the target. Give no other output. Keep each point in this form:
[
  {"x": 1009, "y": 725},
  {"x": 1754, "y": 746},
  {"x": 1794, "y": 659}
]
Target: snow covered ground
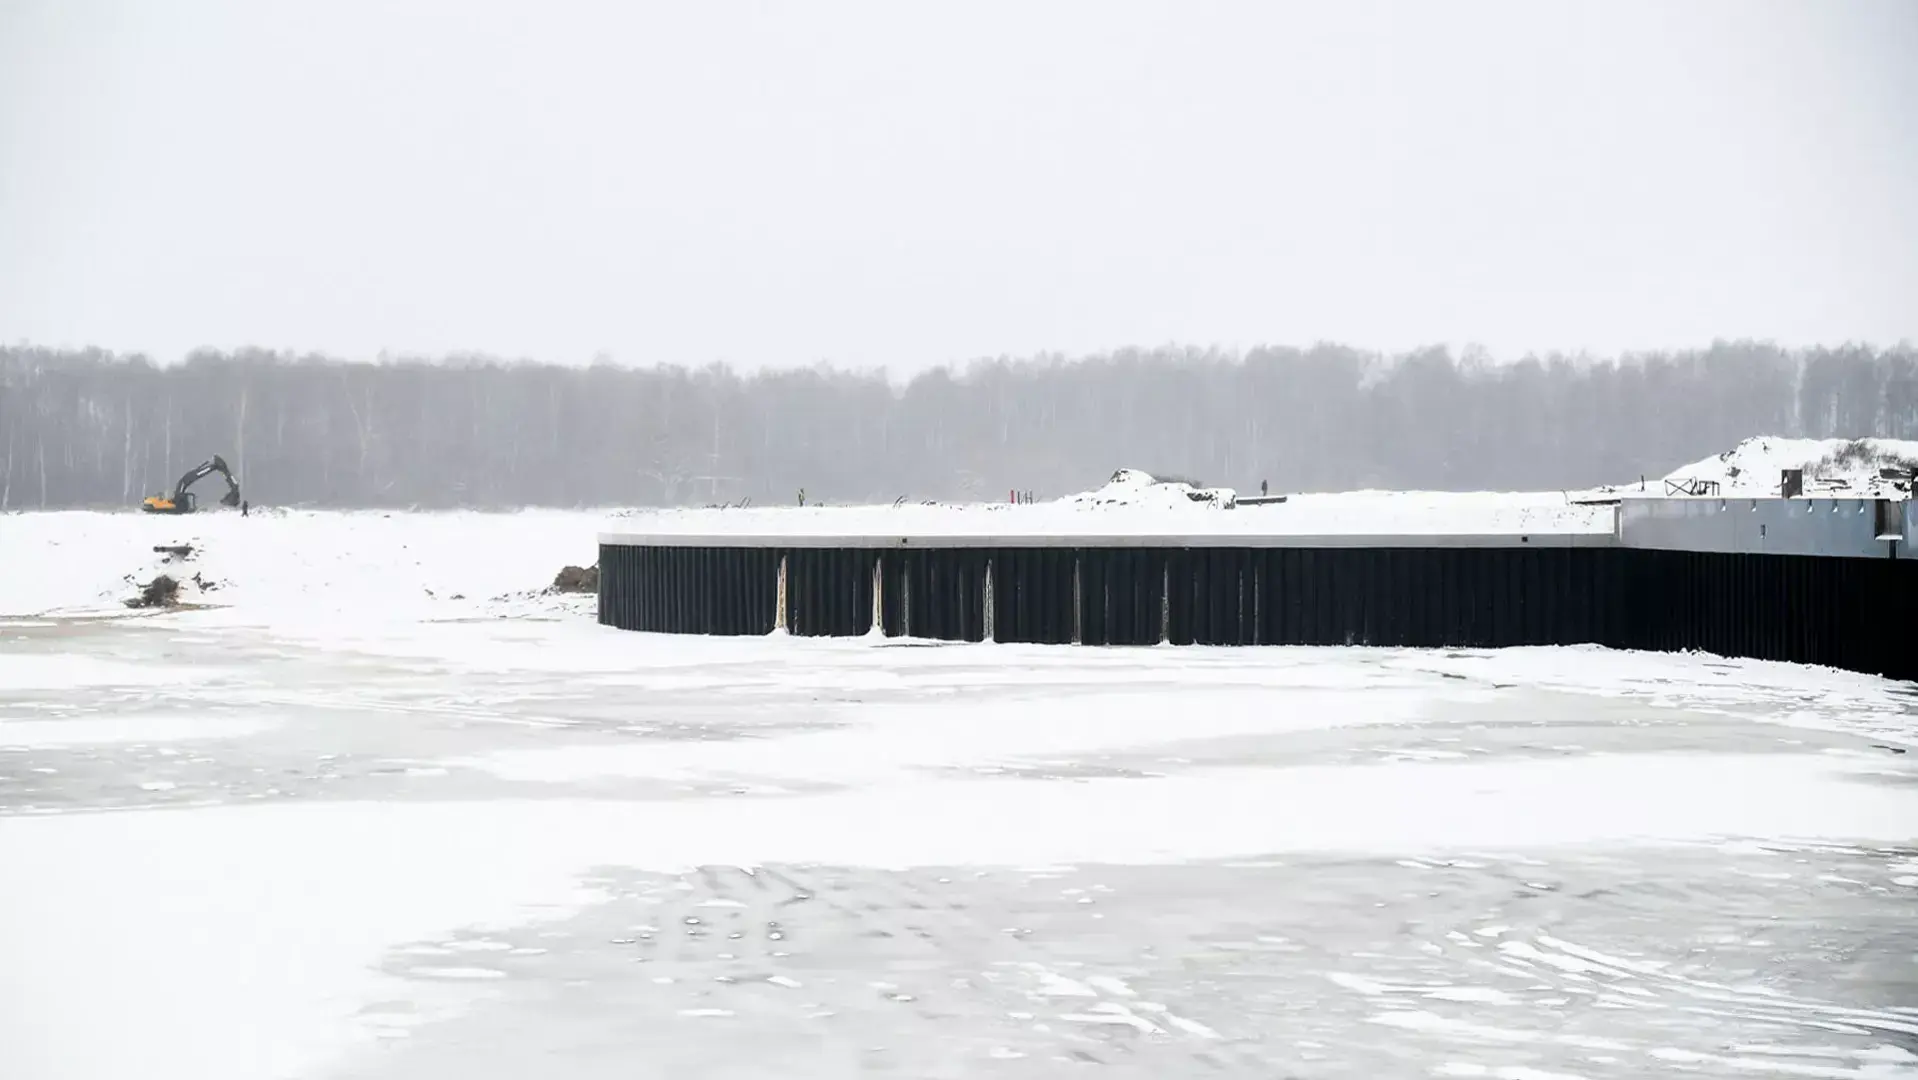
[
  {"x": 1153, "y": 511},
  {"x": 363, "y": 566},
  {"x": 347, "y": 825}
]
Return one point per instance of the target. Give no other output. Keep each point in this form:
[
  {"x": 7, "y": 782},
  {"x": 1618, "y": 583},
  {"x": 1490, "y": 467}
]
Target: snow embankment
[
  {"x": 364, "y": 563},
  {"x": 1845, "y": 467}
]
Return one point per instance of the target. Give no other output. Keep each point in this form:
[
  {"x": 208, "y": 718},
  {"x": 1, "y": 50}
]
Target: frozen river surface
[{"x": 501, "y": 848}]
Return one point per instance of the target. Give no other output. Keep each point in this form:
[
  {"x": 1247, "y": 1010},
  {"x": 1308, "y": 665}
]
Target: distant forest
[{"x": 92, "y": 429}]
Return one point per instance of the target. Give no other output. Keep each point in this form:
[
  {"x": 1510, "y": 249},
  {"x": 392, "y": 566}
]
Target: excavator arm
[
  {"x": 182, "y": 501},
  {"x": 214, "y": 464}
]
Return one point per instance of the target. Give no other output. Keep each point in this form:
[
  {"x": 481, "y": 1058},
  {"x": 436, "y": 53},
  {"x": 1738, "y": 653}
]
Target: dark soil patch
[{"x": 162, "y": 591}]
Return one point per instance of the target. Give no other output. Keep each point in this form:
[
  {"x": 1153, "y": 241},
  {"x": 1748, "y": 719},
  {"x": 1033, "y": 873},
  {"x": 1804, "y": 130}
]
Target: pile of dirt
[
  {"x": 577, "y": 579},
  {"x": 162, "y": 591},
  {"x": 167, "y": 591}
]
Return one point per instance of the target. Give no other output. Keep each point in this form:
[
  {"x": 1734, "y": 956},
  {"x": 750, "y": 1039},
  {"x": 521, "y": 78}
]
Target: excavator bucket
[{"x": 232, "y": 496}]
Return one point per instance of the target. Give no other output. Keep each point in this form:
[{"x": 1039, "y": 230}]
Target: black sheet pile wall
[
  {"x": 1847, "y": 613},
  {"x": 828, "y": 591},
  {"x": 685, "y": 590}
]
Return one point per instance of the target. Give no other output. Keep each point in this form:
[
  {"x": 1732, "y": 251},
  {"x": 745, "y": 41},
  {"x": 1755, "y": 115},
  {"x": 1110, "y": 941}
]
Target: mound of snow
[
  {"x": 1832, "y": 466},
  {"x": 1132, "y": 488}
]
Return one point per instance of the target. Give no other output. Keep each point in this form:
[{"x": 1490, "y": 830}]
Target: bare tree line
[{"x": 91, "y": 429}]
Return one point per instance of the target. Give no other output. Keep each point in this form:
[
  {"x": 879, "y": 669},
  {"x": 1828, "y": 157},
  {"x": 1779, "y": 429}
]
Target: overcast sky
[{"x": 913, "y": 183}]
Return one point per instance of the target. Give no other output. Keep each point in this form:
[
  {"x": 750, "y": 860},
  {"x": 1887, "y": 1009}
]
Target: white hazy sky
[{"x": 912, "y": 183}]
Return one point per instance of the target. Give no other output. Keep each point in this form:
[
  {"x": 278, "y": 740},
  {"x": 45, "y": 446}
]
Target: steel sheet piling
[{"x": 1852, "y": 613}]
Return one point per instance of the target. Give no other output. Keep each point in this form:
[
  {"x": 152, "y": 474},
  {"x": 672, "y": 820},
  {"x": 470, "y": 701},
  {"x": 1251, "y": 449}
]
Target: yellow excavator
[{"x": 183, "y": 501}]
